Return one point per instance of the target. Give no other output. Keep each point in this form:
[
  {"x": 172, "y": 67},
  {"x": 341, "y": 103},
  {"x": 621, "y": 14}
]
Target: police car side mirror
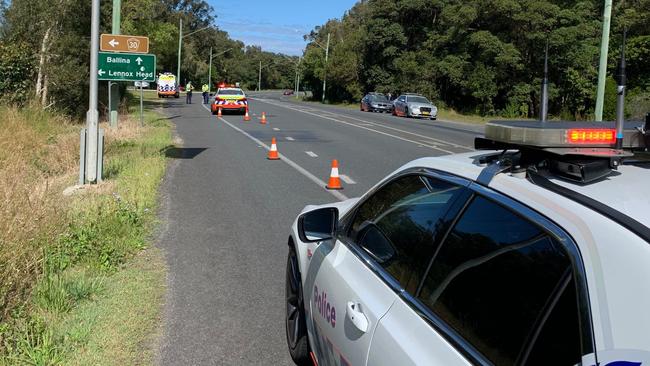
[{"x": 318, "y": 225}]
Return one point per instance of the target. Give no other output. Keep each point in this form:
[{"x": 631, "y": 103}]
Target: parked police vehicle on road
[{"x": 532, "y": 250}]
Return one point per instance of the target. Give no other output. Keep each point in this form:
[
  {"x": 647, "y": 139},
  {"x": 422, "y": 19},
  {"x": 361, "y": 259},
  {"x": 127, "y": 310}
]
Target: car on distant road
[
  {"x": 229, "y": 99},
  {"x": 376, "y": 102},
  {"x": 287, "y": 92},
  {"x": 414, "y": 105},
  {"x": 532, "y": 250}
]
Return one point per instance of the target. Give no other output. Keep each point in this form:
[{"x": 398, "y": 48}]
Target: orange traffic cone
[
  {"x": 335, "y": 181},
  {"x": 246, "y": 116},
  {"x": 263, "y": 120},
  {"x": 273, "y": 153},
  {"x": 219, "y": 112}
]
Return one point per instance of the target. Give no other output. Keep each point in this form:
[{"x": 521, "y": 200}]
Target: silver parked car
[{"x": 414, "y": 105}]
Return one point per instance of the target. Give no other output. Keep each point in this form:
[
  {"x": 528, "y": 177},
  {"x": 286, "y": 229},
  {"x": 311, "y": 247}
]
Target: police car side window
[
  {"x": 506, "y": 287},
  {"x": 396, "y": 226}
]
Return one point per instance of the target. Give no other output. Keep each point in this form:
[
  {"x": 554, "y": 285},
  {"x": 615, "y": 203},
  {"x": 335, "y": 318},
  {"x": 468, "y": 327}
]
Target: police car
[
  {"x": 229, "y": 98},
  {"x": 532, "y": 250}
]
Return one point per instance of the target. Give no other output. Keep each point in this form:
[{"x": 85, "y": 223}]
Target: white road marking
[
  {"x": 359, "y": 126},
  {"x": 340, "y": 196},
  {"x": 311, "y": 153},
  {"x": 276, "y": 129},
  {"x": 366, "y": 122},
  {"x": 347, "y": 179},
  {"x": 290, "y": 138}
]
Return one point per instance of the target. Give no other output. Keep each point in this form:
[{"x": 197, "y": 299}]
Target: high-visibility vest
[{"x": 205, "y": 88}]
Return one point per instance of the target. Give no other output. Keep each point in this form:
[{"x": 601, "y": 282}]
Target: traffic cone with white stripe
[
  {"x": 263, "y": 120},
  {"x": 273, "y": 153},
  {"x": 335, "y": 181},
  {"x": 246, "y": 116},
  {"x": 219, "y": 112}
]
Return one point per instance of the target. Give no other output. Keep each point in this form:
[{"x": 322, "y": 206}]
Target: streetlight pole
[
  {"x": 210, "y": 73},
  {"x": 92, "y": 116},
  {"x": 210, "y": 68},
  {"x": 259, "y": 78},
  {"x": 180, "y": 40},
  {"x": 327, "y": 51},
  {"x": 602, "y": 67}
]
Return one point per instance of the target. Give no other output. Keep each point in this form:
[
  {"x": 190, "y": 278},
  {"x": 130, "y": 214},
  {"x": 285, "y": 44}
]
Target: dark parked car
[{"x": 375, "y": 102}]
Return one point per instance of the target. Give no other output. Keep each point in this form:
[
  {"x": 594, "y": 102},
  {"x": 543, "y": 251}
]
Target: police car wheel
[{"x": 296, "y": 325}]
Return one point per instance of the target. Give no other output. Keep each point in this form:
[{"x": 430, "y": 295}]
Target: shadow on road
[{"x": 183, "y": 152}]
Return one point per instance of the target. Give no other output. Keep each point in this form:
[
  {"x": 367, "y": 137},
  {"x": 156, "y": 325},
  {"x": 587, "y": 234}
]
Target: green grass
[{"x": 99, "y": 297}]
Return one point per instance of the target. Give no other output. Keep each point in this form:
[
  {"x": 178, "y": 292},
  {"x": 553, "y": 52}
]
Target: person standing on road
[
  {"x": 188, "y": 91},
  {"x": 205, "y": 88}
]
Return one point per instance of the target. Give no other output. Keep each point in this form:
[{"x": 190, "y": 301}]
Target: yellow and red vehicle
[{"x": 229, "y": 99}]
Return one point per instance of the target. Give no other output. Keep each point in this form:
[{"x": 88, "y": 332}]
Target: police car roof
[{"x": 625, "y": 190}]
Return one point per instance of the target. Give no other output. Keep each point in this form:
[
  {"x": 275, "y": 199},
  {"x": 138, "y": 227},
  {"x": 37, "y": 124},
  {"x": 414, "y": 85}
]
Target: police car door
[
  {"x": 506, "y": 287},
  {"x": 380, "y": 250}
]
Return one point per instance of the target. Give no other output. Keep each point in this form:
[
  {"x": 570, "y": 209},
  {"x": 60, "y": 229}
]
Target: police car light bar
[{"x": 562, "y": 134}]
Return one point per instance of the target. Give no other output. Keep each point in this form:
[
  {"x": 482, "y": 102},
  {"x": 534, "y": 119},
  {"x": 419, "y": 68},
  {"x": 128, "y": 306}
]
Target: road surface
[{"x": 227, "y": 212}]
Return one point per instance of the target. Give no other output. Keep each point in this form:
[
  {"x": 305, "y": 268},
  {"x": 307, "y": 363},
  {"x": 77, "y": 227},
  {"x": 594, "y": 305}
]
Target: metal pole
[
  {"x": 327, "y": 51},
  {"x": 620, "y": 91},
  {"x": 602, "y": 68},
  {"x": 92, "y": 116},
  {"x": 114, "y": 95},
  {"x": 544, "y": 100},
  {"x": 180, "y": 40},
  {"x": 141, "y": 106},
  {"x": 259, "y": 79},
  {"x": 210, "y": 73}
]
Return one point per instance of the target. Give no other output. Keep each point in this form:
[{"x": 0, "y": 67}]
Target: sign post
[
  {"x": 114, "y": 95},
  {"x": 141, "y": 84}
]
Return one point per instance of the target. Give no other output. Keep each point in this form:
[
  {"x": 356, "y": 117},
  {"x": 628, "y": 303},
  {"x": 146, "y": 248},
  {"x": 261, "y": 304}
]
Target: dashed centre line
[
  {"x": 276, "y": 129},
  {"x": 311, "y": 153},
  {"x": 290, "y": 138}
]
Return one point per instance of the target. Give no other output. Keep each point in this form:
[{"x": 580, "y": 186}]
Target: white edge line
[{"x": 297, "y": 167}]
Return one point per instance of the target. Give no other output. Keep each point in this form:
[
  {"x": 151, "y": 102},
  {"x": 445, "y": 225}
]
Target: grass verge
[{"x": 82, "y": 284}]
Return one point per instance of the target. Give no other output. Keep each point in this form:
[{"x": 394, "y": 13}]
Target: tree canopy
[{"x": 480, "y": 56}]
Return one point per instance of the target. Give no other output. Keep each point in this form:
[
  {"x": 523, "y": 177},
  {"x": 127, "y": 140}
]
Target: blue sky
[{"x": 277, "y": 26}]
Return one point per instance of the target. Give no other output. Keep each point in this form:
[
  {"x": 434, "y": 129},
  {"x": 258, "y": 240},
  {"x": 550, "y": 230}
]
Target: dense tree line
[
  {"x": 45, "y": 46},
  {"x": 481, "y": 56}
]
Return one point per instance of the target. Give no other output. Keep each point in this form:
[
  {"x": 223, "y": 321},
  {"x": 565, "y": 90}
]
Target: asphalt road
[{"x": 227, "y": 212}]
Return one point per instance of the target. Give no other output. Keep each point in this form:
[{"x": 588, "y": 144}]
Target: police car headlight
[
  {"x": 415, "y": 110},
  {"x": 375, "y": 105}
]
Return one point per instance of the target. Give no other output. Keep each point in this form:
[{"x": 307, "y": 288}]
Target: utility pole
[
  {"x": 92, "y": 116},
  {"x": 327, "y": 51},
  {"x": 114, "y": 95},
  {"x": 180, "y": 39},
  {"x": 544, "y": 101},
  {"x": 620, "y": 94},
  {"x": 602, "y": 68},
  {"x": 259, "y": 78},
  {"x": 210, "y": 73}
]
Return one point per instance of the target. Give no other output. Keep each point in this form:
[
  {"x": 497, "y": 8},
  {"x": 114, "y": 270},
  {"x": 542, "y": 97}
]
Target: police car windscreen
[{"x": 230, "y": 92}]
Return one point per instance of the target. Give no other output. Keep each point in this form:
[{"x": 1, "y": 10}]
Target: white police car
[{"x": 536, "y": 252}]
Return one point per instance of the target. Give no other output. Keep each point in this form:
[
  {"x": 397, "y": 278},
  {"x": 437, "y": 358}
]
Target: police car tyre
[{"x": 296, "y": 326}]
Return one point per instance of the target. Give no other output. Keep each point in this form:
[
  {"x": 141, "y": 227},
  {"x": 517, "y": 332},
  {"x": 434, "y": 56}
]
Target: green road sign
[{"x": 126, "y": 67}]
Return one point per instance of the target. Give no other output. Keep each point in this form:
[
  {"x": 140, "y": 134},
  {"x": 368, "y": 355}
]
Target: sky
[{"x": 277, "y": 26}]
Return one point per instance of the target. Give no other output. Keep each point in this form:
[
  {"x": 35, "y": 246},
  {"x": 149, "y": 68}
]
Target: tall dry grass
[{"x": 38, "y": 157}]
